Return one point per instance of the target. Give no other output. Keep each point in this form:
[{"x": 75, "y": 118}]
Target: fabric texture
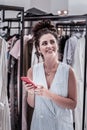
[
  {"x": 5, "y": 123},
  {"x": 78, "y": 66},
  {"x": 75, "y": 56},
  {"x": 47, "y": 115},
  {"x": 69, "y": 49}
]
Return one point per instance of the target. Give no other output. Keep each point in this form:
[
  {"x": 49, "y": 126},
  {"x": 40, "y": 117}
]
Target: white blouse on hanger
[
  {"x": 78, "y": 66},
  {"x": 70, "y": 47},
  {"x": 5, "y": 123},
  {"x": 74, "y": 54}
]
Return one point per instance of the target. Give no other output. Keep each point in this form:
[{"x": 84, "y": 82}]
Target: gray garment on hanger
[
  {"x": 69, "y": 49},
  {"x": 47, "y": 115}
]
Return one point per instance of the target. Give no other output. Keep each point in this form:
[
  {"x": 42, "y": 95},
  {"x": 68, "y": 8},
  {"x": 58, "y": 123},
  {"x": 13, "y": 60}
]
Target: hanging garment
[
  {"x": 14, "y": 84},
  {"x": 27, "y": 51},
  {"x": 74, "y": 55},
  {"x": 15, "y": 52},
  {"x": 86, "y": 104},
  {"x": 4, "y": 106},
  {"x": 78, "y": 66},
  {"x": 69, "y": 49},
  {"x": 47, "y": 115},
  {"x": 85, "y": 126},
  {"x": 62, "y": 42}
]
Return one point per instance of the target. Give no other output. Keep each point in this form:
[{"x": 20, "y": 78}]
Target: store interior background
[
  {"x": 51, "y": 6},
  {"x": 78, "y": 7}
]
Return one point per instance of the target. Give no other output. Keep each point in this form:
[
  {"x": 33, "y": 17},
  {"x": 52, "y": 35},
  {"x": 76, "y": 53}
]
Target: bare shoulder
[
  {"x": 71, "y": 72},
  {"x": 30, "y": 73},
  {"x": 72, "y": 76}
]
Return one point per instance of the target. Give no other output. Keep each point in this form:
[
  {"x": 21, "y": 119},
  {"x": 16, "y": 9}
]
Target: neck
[
  {"x": 50, "y": 64},
  {"x": 50, "y": 67}
]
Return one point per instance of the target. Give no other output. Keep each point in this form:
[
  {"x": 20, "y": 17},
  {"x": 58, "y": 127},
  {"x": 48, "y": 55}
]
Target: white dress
[
  {"x": 5, "y": 123},
  {"x": 47, "y": 115}
]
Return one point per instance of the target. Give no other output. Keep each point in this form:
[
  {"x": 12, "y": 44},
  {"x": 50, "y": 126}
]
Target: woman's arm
[
  {"x": 30, "y": 90},
  {"x": 71, "y": 101},
  {"x": 66, "y": 102}
]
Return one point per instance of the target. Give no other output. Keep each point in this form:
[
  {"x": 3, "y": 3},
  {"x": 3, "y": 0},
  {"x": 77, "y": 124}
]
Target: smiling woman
[
  {"x": 48, "y": 46},
  {"x": 55, "y": 95}
]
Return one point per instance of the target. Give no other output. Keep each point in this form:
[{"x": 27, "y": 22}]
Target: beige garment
[
  {"x": 4, "y": 106},
  {"x": 27, "y": 51}
]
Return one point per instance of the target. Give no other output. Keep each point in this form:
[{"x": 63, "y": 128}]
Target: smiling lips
[{"x": 50, "y": 50}]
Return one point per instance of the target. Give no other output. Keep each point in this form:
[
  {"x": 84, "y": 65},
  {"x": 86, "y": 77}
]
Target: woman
[{"x": 55, "y": 96}]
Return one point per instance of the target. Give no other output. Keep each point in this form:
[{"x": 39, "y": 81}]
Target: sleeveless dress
[{"x": 47, "y": 114}]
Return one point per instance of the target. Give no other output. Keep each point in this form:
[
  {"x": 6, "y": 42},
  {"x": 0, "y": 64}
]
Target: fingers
[
  {"x": 31, "y": 90},
  {"x": 28, "y": 86},
  {"x": 39, "y": 90}
]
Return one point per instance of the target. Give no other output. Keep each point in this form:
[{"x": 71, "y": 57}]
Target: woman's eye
[
  {"x": 52, "y": 41},
  {"x": 44, "y": 43}
]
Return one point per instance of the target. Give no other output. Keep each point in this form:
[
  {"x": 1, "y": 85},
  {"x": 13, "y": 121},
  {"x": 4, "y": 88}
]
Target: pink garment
[
  {"x": 15, "y": 51},
  {"x": 11, "y": 42},
  {"x": 26, "y": 38}
]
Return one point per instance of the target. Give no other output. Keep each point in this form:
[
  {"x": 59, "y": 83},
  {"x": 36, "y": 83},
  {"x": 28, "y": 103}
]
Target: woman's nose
[{"x": 49, "y": 44}]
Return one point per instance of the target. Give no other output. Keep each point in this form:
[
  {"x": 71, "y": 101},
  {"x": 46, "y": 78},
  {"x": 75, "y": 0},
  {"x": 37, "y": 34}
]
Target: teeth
[{"x": 49, "y": 50}]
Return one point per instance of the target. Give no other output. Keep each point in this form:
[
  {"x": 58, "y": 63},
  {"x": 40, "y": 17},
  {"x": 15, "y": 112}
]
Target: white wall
[
  {"x": 77, "y": 7},
  {"x": 74, "y": 7},
  {"x": 43, "y": 5},
  {"x": 58, "y": 5},
  {"x": 50, "y": 6},
  {"x": 22, "y": 3}
]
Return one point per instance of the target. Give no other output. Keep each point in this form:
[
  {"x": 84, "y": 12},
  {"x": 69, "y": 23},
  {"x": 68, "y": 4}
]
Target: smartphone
[{"x": 29, "y": 81}]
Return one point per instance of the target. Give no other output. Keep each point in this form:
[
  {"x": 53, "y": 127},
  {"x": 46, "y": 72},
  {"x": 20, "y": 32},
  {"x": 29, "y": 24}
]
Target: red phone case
[{"x": 29, "y": 81}]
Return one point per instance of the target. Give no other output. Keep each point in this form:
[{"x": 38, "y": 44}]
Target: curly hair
[{"x": 41, "y": 28}]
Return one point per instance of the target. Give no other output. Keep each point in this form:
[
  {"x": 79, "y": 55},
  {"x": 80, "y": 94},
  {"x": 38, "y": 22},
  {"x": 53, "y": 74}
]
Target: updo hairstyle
[{"x": 41, "y": 28}]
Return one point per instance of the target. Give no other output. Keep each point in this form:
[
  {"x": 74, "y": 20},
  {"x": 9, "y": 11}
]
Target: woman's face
[{"x": 48, "y": 46}]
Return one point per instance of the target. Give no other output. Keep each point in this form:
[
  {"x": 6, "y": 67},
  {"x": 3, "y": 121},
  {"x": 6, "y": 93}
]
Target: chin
[{"x": 51, "y": 56}]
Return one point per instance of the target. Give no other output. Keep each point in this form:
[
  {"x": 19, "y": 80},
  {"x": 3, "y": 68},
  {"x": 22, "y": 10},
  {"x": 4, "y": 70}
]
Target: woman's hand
[
  {"x": 41, "y": 91},
  {"x": 30, "y": 94},
  {"x": 29, "y": 88}
]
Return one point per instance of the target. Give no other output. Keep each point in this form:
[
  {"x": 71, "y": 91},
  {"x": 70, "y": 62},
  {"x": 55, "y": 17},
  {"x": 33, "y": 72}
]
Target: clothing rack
[
  {"x": 61, "y": 20},
  {"x": 52, "y": 18},
  {"x": 72, "y": 26},
  {"x": 5, "y": 8}
]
